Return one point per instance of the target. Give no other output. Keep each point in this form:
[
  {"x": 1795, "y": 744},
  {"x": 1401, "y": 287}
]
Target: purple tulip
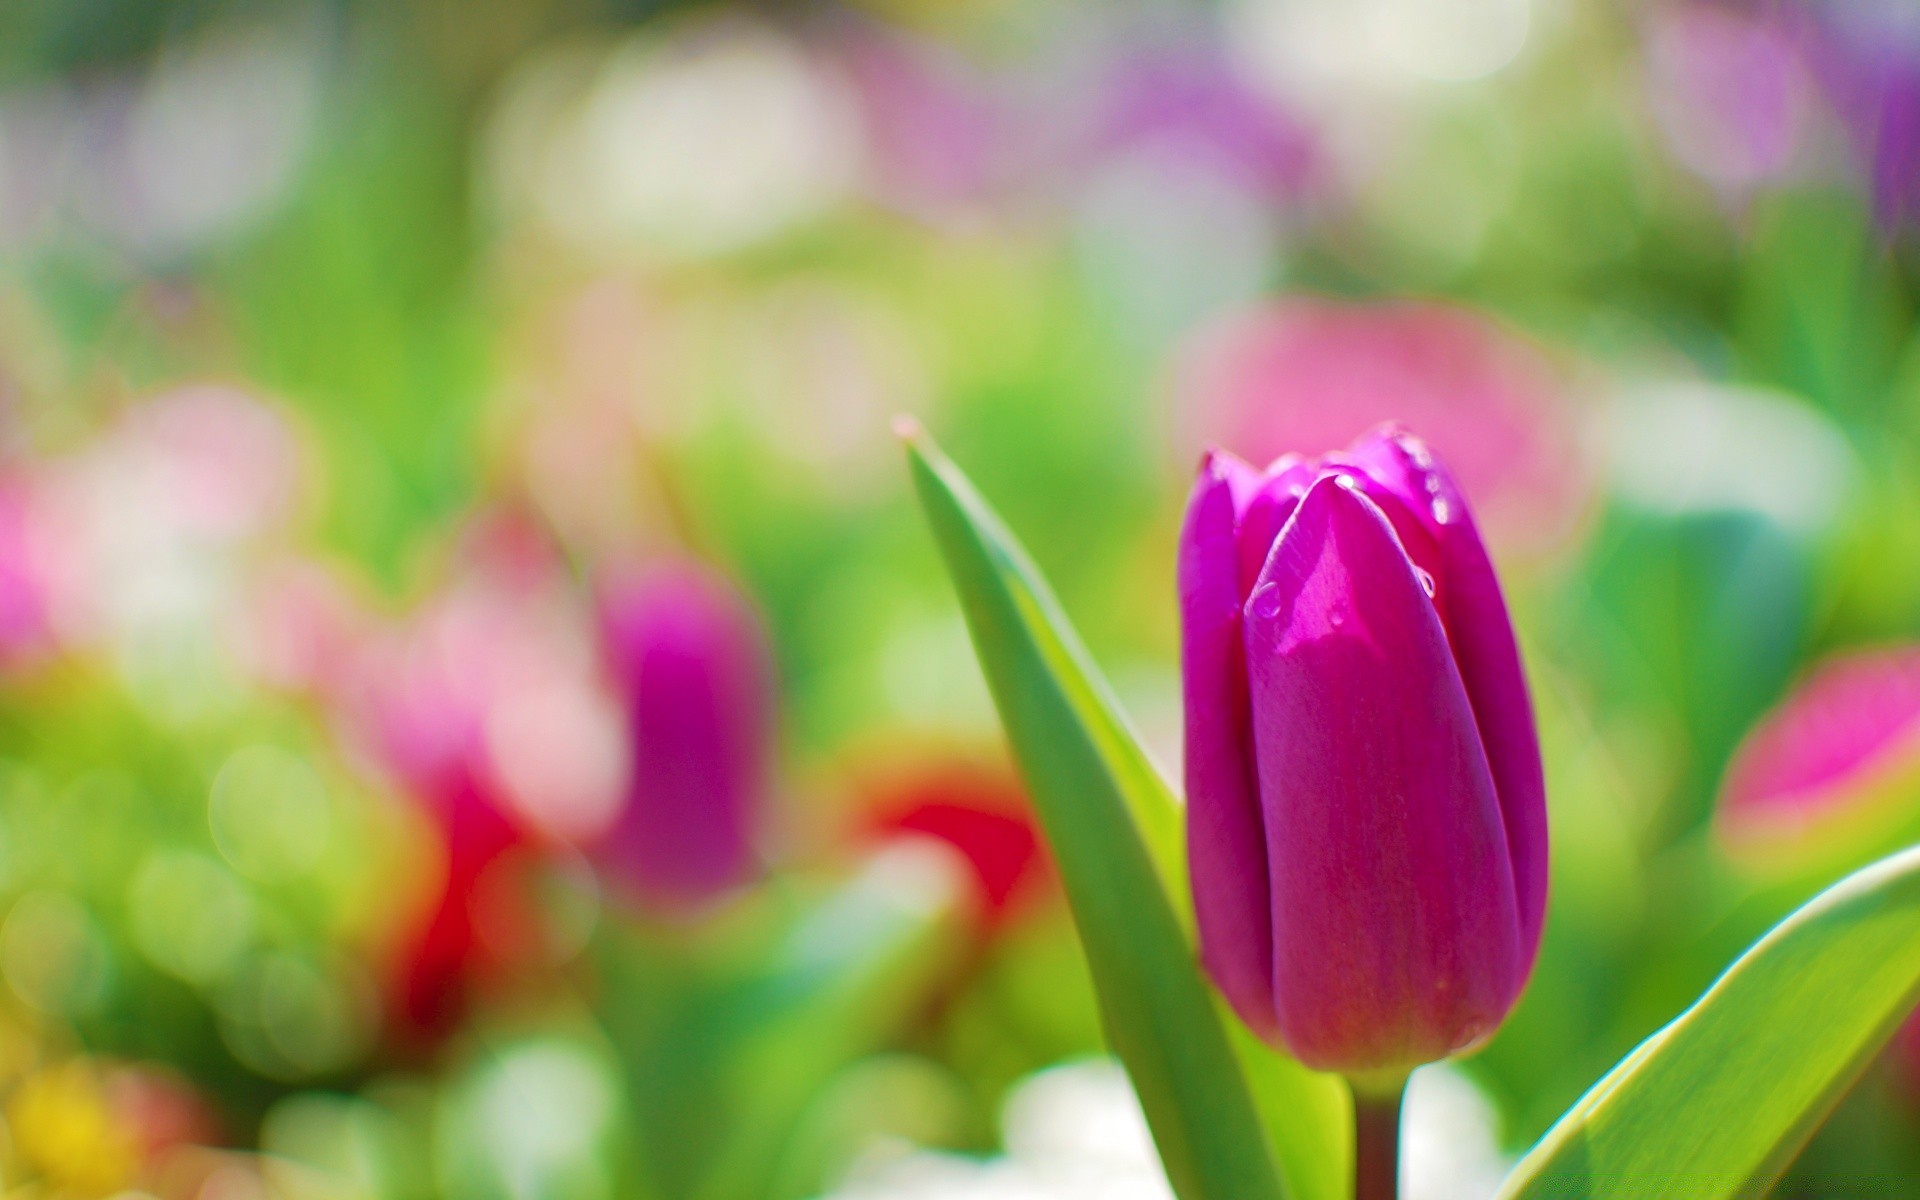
[
  {"x": 689, "y": 659},
  {"x": 1365, "y": 809},
  {"x": 1867, "y": 53}
]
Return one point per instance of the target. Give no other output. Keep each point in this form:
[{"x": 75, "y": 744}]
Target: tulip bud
[
  {"x": 689, "y": 660},
  {"x": 1365, "y": 807}
]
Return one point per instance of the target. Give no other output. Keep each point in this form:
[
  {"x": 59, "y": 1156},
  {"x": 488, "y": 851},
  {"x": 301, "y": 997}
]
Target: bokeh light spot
[{"x": 269, "y": 814}]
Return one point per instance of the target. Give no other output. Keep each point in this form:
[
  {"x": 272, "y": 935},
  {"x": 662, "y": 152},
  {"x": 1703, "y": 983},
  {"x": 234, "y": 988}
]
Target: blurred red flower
[{"x": 978, "y": 808}]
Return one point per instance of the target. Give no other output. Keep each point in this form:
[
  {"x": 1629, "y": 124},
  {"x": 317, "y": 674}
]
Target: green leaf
[
  {"x": 728, "y": 1031},
  {"x": 1308, "y": 1115},
  {"x": 1719, "y": 1102},
  {"x": 1115, "y": 832},
  {"x": 840, "y": 984}
]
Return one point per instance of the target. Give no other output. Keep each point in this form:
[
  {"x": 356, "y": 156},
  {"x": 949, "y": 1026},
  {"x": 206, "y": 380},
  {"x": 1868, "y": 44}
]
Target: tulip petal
[
  {"x": 1226, "y": 845},
  {"x": 1475, "y": 616},
  {"x": 1266, "y": 512},
  {"x": 1396, "y": 934}
]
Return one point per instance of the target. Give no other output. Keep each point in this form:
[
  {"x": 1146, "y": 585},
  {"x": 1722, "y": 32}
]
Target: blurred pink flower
[
  {"x": 137, "y": 536},
  {"x": 947, "y": 135},
  {"x": 1313, "y": 372},
  {"x": 1189, "y": 96},
  {"x": 228, "y": 463},
  {"x": 935, "y": 131},
  {"x": 485, "y": 708},
  {"x": 144, "y": 526},
  {"x": 692, "y": 663},
  {"x": 440, "y": 700},
  {"x": 1730, "y": 92},
  {"x": 1829, "y": 755},
  {"x": 25, "y": 619},
  {"x": 302, "y": 627}
]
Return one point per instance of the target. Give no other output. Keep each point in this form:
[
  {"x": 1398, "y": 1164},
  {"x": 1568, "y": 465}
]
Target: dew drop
[
  {"x": 1265, "y": 603},
  {"x": 1442, "y": 511},
  {"x": 1426, "y": 582}
]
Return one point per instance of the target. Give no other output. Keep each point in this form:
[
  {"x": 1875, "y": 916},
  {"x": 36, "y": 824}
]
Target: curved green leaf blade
[
  {"x": 1719, "y": 1102},
  {"x": 845, "y": 977},
  {"x": 1115, "y": 833},
  {"x": 1308, "y": 1116}
]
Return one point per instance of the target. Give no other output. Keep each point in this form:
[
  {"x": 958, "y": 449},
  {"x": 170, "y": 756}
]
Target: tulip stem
[{"x": 1376, "y": 1142}]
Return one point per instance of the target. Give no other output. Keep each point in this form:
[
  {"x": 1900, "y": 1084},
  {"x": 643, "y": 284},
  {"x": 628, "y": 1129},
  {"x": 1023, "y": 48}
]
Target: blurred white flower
[
  {"x": 1072, "y": 1132},
  {"x": 146, "y": 531},
  {"x": 212, "y": 136},
  {"x": 1388, "y": 89},
  {"x": 823, "y": 366},
  {"x": 1693, "y": 446},
  {"x": 1166, "y": 238},
  {"x": 699, "y": 141},
  {"x": 1076, "y": 1131},
  {"x": 39, "y": 143},
  {"x": 164, "y": 162},
  {"x": 558, "y": 749},
  {"x": 532, "y": 1119},
  {"x": 1312, "y": 49},
  {"x": 1449, "y": 1139},
  {"x": 1083, "y": 1111}
]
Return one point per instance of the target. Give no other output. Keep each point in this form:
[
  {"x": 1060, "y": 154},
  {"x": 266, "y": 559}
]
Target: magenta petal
[
  {"x": 1852, "y": 724},
  {"x": 1226, "y": 847},
  {"x": 1267, "y": 510},
  {"x": 1396, "y": 932},
  {"x": 1475, "y": 616},
  {"x": 688, "y": 657}
]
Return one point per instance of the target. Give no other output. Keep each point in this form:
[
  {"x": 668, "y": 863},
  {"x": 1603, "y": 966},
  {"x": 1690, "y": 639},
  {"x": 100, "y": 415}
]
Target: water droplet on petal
[
  {"x": 1426, "y": 582},
  {"x": 1265, "y": 603},
  {"x": 1442, "y": 511}
]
